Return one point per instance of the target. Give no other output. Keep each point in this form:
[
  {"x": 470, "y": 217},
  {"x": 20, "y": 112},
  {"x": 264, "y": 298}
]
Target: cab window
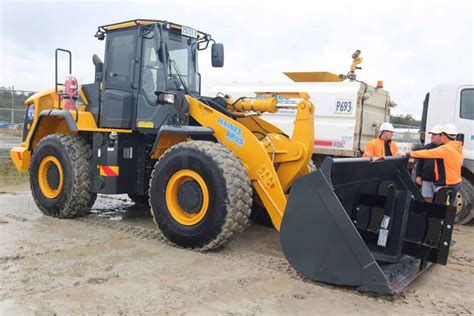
[
  {"x": 120, "y": 56},
  {"x": 467, "y": 104}
]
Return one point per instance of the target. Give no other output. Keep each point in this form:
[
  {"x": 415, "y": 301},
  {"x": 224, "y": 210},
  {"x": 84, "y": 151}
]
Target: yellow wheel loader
[{"x": 144, "y": 129}]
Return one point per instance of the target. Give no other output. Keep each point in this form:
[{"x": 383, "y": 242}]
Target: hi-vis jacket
[
  {"x": 449, "y": 158},
  {"x": 380, "y": 148}
]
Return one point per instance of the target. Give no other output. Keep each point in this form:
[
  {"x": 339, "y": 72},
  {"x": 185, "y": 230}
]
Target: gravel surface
[{"x": 113, "y": 262}]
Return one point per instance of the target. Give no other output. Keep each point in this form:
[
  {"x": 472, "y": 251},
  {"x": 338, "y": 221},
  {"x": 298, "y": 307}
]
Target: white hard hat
[
  {"x": 450, "y": 129},
  {"x": 437, "y": 129},
  {"x": 386, "y": 126}
]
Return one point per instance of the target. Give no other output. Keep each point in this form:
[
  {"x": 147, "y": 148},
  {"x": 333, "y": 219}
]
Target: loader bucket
[{"x": 360, "y": 223}]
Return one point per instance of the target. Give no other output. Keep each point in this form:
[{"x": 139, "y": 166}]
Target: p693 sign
[{"x": 344, "y": 106}]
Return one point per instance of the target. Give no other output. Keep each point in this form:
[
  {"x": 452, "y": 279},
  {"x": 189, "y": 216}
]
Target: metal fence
[
  {"x": 407, "y": 134},
  {"x": 12, "y": 113}
]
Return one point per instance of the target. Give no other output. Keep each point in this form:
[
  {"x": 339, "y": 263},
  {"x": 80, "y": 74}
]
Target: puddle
[{"x": 119, "y": 209}]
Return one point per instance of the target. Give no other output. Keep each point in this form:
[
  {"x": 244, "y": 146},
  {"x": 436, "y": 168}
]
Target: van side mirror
[{"x": 217, "y": 55}]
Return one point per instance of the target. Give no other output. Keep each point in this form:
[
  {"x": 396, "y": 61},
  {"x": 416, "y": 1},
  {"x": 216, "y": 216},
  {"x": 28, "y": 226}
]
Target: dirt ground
[{"x": 111, "y": 262}]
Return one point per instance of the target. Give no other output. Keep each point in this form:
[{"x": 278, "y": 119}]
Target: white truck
[
  {"x": 347, "y": 113},
  {"x": 454, "y": 103}
]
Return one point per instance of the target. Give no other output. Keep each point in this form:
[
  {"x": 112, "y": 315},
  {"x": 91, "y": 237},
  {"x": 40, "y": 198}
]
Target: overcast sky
[{"x": 410, "y": 45}]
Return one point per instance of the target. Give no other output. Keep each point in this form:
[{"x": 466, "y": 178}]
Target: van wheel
[{"x": 464, "y": 203}]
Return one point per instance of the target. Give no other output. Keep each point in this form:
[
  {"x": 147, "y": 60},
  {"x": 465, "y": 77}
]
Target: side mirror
[{"x": 217, "y": 55}]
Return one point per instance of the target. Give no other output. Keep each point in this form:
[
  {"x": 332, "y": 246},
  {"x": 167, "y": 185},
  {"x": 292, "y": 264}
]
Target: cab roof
[{"x": 132, "y": 23}]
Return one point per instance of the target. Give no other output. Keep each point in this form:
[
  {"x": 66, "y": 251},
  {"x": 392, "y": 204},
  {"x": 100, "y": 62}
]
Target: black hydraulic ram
[{"x": 360, "y": 223}]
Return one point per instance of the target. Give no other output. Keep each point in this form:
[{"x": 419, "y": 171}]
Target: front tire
[
  {"x": 200, "y": 195},
  {"x": 60, "y": 176}
]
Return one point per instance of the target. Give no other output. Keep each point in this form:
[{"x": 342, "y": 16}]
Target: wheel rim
[
  {"x": 187, "y": 213},
  {"x": 459, "y": 202},
  {"x": 50, "y": 177}
]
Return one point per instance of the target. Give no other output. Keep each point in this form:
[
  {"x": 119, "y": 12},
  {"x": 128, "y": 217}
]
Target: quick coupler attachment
[{"x": 360, "y": 223}]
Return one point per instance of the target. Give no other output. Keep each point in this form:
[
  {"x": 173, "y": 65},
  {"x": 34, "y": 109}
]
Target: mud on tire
[
  {"x": 71, "y": 155},
  {"x": 229, "y": 195}
]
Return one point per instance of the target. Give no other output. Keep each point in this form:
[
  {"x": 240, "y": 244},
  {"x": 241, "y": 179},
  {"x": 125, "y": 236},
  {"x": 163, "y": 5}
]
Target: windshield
[{"x": 182, "y": 63}]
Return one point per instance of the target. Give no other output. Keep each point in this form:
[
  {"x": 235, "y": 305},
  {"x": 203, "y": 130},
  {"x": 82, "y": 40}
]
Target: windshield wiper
[{"x": 180, "y": 76}]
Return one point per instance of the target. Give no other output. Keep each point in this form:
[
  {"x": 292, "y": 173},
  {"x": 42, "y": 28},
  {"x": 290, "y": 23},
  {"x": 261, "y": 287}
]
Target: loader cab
[{"x": 146, "y": 59}]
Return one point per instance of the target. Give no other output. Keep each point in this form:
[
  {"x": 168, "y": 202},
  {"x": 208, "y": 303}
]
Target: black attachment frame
[{"x": 365, "y": 224}]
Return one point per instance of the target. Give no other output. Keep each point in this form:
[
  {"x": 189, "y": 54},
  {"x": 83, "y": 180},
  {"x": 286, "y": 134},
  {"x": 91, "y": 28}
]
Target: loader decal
[
  {"x": 109, "y": 171},
  {"x": 234, "y": 134}
]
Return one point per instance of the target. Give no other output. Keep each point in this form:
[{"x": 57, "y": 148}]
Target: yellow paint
[
  {"x": 38, "y": 95},
  {"x": 21, "y": 158},
  {"x": 172, "y": 203},
  {"x": 46, "y": 189},
  {"x": 48, "y": 100},
  {"x": 165, "y": 142},
  {"x": 252, "y": 154},
  {"x": 255, "y": 123},
  {"x": 316, "y": 76},
  {"x": 145, "y": 124},
  {"x": 303, "y": 139},
  {"x": 355, "y": 62},
  {"x": 127, "y": 24},
  {"x": 254, "y": 105},
  {"x": 259, "y": 151}
]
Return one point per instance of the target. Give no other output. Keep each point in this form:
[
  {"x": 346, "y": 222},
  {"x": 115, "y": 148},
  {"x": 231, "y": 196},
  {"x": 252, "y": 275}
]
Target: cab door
[
  {"x": 150, "y": 116},
  {"x": 117, "y": 103}
]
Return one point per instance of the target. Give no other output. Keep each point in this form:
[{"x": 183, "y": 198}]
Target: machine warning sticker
[
  {"x": 145, "y": 124},
  {"x": 234, "y": 134},
  {"x": 343, "y": 106}
]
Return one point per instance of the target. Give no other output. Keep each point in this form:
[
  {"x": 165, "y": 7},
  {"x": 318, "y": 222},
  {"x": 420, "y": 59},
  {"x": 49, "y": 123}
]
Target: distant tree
[{"x": 404, "y": 119}]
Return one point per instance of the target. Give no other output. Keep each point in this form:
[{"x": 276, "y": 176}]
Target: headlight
[
  {"x": 31, "y": 113},
  {"x": 165, "y": 98}
]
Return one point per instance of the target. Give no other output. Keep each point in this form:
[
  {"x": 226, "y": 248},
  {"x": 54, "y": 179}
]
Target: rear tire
[
  {"x": 200, "y": 195},
  {"x": 60, "y": 176}
]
